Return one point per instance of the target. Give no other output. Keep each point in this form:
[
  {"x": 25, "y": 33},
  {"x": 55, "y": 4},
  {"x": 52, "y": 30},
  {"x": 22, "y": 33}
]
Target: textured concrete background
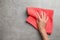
[{"x": 13, "y": 15}]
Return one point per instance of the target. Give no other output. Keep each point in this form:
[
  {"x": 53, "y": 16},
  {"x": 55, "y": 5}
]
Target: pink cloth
[{"x": 32, "y": 18}]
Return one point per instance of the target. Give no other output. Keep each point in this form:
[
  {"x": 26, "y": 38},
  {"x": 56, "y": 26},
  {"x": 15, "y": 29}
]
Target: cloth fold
[{"x": 32, "y": 18}]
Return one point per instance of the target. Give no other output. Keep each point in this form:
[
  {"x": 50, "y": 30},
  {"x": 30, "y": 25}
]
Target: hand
[{"x": 42, "y": 20}]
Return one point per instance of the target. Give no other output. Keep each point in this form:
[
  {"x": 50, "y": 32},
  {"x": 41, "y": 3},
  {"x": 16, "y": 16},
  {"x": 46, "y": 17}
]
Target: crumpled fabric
[{"x": 32, "y": 18}]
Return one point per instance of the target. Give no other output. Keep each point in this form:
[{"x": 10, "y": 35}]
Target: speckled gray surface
[{"x": 13, "y": 15}]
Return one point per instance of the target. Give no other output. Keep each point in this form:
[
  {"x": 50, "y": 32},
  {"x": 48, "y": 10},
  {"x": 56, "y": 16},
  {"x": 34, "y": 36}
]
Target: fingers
[
  {"x": 39, "y": 18},
  {"x": 42, "y": 17},
  {"x": 42, "y": 14},
  {"x": 45, "y": 15},
  {"x": 46, "y": 19}
]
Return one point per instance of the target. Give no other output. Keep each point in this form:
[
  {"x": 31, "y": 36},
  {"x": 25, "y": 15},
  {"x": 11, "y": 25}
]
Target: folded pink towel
[{"x": 32, "y": 18}]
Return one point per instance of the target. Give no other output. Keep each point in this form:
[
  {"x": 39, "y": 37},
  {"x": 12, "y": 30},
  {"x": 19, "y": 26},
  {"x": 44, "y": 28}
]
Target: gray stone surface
[{"x": 13, "y": 15}]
